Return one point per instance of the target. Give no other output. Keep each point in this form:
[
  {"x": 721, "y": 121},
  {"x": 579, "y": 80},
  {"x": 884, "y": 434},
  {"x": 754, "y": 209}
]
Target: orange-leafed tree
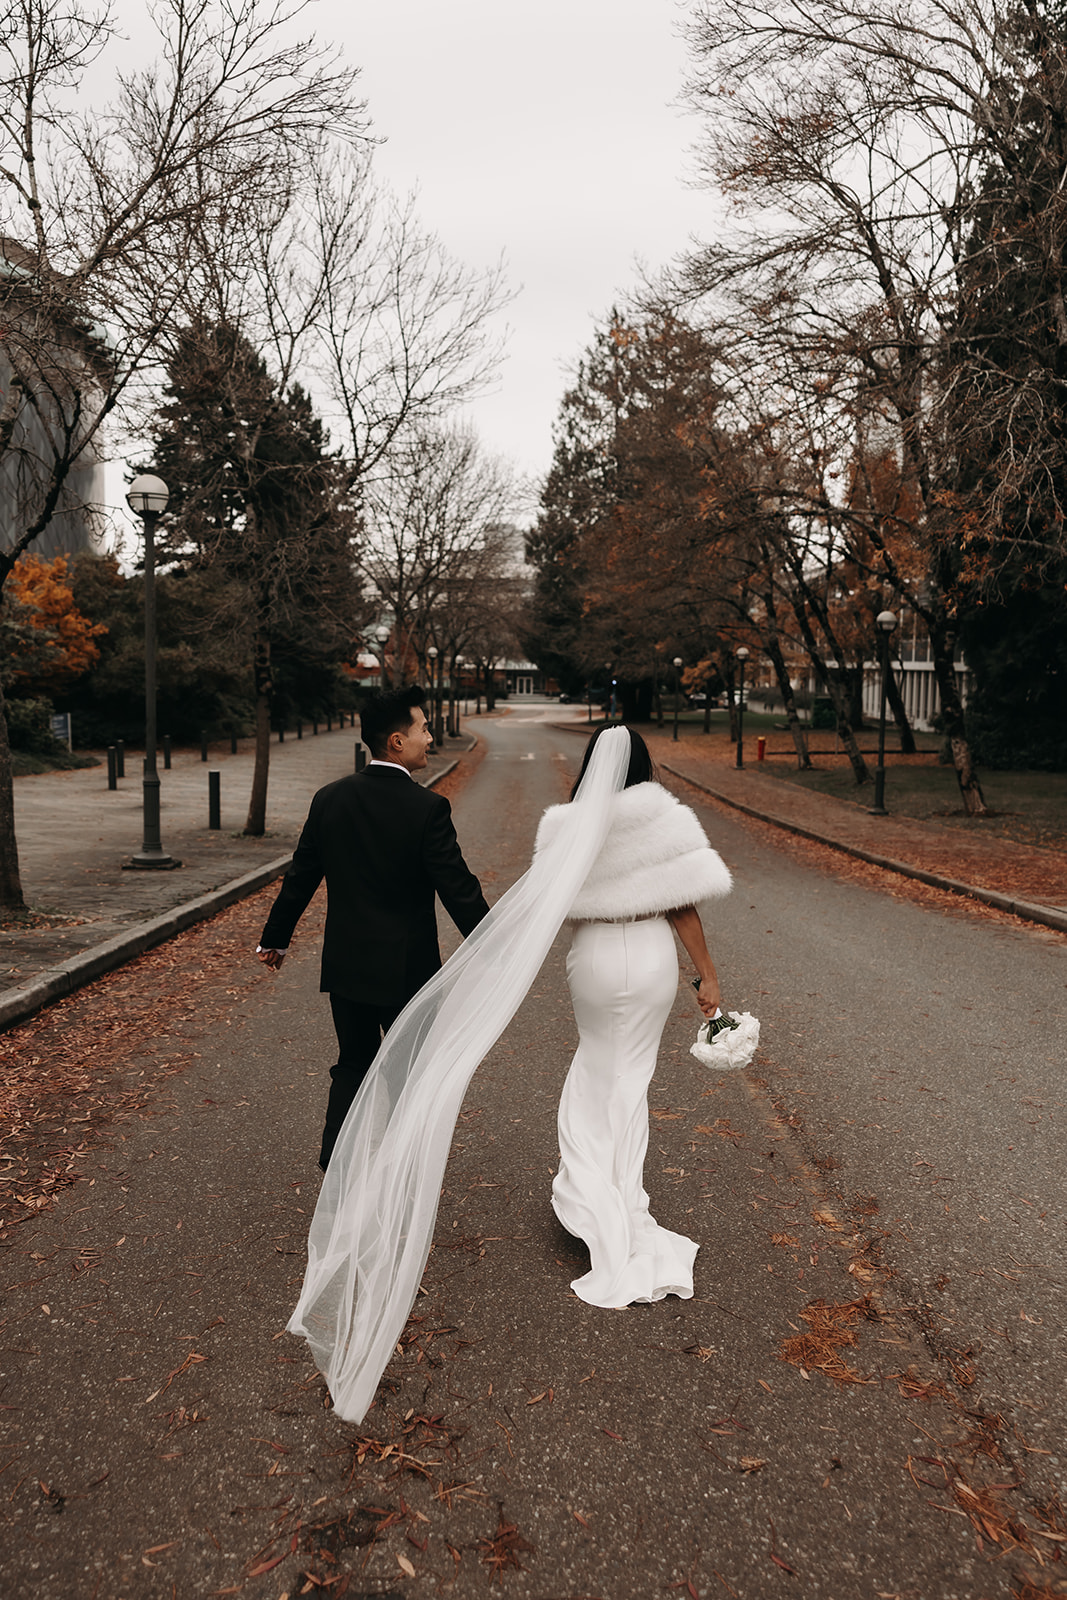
[{"x": 49, "y": 641}]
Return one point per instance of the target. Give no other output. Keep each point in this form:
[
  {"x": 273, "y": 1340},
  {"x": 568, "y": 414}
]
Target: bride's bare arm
[{"x": 687, "y": 925}]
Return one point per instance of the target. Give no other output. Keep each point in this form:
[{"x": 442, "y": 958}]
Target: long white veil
[{"x": 374, "y": 1221}]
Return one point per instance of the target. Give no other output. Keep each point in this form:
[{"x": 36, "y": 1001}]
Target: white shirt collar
[{"x": 394, "y": 766}]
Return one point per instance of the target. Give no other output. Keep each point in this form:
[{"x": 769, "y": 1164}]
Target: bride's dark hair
[{"x": 641, "y": 768}]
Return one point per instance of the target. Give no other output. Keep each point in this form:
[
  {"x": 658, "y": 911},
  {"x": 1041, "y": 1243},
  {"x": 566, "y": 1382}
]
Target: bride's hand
[{"x": 709, "y": 997}]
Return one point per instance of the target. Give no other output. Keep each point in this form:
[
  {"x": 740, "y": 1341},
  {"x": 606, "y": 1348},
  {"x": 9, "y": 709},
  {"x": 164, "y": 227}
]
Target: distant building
[
  {"x": 522, "y": 679},
  {"x": 76, "y": 524},
  {"x": 910, "y": 660}
]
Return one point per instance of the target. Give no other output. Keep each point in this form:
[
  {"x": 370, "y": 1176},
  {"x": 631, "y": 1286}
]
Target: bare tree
[
  {"x": 340, "y": 281},
  {"x": 104, "y": 208},
  {"x": 433, "y": 541},
  {"x": 856, "y": 143},
  {"x": 403, "y": 337}
]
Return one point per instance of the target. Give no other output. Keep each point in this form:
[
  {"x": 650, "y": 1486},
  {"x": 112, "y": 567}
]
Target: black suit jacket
[{"x": 385, "y": 846}]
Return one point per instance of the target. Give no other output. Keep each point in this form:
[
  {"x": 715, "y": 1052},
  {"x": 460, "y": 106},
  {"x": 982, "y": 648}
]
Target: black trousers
[{"x": 359, "y": 1029}]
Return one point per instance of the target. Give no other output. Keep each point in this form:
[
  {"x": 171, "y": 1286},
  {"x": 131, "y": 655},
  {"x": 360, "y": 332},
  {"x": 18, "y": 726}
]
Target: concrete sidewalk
[{"x": 74, "y": 835}]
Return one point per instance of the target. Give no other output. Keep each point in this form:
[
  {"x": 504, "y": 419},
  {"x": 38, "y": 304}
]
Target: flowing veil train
[{"x": 374, "y": 1221}]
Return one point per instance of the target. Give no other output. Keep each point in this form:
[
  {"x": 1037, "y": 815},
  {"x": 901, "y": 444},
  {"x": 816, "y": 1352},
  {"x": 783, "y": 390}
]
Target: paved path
[
  {"x": 74, "y": 835},
  {"x": 881, "y": 1202}
]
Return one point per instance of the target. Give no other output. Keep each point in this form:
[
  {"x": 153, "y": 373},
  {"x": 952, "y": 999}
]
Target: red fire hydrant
[{"x": 761, "y": 748}]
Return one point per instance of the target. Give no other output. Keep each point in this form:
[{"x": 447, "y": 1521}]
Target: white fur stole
[{"x": 655, "y": 858}]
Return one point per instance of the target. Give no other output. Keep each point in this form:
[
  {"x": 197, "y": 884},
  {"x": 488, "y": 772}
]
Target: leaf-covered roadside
[{"x": 105, "y": 1055}]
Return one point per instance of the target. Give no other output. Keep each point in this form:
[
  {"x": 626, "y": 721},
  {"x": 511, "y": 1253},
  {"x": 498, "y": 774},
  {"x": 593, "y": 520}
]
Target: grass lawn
[
  {"x": 25, "y": 765},
  {"x": 1030, "y": 807}
]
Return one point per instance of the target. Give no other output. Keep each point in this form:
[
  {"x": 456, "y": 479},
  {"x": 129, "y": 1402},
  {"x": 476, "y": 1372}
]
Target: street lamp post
[
  {"x": 461, "y": 689},
  {"x": 677, "y": 686},
  {"x": 886, "y": 623},
  {"x": 450, "y": 717},
  {"x": 381, "y": 634},
  {"x": 431, "y": 656},
  {"x": 147, "y": 497},
  {"x": 742, "y": 656}
]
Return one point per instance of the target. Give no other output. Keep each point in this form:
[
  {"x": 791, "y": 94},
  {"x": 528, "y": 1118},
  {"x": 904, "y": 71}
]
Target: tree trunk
[
  {"x": 256, "y": 825},
  {"x": 490, "y": 697},
  {"x": 731, "y": 709},
  {"x": 845, "y": 731},
  {"x": 838, "y": 697},
  {"x": 900, "y": 715},
  {"x": 774, "y": 651},
  {"x": 801, "y": 596},
  {"x": 943, "y": 652},
  {"x": 11, "y": 896},
  {"x": 854, "y": 681}
]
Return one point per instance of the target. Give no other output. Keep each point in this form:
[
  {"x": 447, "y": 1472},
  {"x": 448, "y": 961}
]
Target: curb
[
  {"x": 17, "y": 1005},
  {"x": 1045, "y": 915}
]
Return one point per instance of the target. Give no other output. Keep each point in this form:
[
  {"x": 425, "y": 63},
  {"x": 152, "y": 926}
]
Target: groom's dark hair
[{"x": 387, "y": 711}]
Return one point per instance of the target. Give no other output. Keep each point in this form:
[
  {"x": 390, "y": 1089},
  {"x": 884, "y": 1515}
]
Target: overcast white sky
[{"x": 544, "y": 133}]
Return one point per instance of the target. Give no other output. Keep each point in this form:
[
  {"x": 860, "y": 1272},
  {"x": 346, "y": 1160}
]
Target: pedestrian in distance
[{"x": 386, "y": 847}]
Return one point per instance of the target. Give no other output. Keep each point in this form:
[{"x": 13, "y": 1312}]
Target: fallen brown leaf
[
  {"x": 833, "y": 1329},
  {"x": 504, "y": 1548}
]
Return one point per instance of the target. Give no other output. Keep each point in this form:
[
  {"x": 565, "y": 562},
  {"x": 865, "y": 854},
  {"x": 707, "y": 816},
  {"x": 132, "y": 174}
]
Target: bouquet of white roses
[{"x": 727, "y": 1042}]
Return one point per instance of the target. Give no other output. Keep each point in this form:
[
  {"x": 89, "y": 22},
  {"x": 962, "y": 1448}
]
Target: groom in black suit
[{"x": 385, "y": 846}]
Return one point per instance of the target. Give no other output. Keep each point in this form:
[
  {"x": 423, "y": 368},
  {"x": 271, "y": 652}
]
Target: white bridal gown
[{"x": 623, "y": 979}]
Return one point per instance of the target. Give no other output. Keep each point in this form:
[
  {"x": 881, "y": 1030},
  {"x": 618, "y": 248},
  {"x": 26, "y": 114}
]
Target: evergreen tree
[
  {"x": 1006, "y": 377},
  {"x": 202, "y": 672},
  {"x": 577, "y": 493},
  {"x": 259, "y": 503}
]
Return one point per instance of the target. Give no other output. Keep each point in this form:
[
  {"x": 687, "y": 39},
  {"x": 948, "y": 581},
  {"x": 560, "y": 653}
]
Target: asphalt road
[{"x": 864, "y": 1398}]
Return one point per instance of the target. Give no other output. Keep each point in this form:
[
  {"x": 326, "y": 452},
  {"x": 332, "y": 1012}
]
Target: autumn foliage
[{"x": 50, "y": 641}]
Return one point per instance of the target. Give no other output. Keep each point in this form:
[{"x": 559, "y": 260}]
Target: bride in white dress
[
  {"x": 374, "y": 1220},
  {"x": 654, "y": 863}
]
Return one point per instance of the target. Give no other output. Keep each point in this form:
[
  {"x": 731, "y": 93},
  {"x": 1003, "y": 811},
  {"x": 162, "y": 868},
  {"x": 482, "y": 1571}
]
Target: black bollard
[
  {"x": 299, "y": 728},
  {"x": 203, "y": 744},
  {"x": 166, "y": 752},
  {"x": 329, "y": 723},
  {"x": 281, "y": 733},
  {"x": 120, "y": 757},
  {"x": 214, "y": 799},
  {"x": 315, "y": 726},
  {"x": 233, "y": 741},
  {"x": 112, "y": 767},
  {"x": 361, "y": 757}
]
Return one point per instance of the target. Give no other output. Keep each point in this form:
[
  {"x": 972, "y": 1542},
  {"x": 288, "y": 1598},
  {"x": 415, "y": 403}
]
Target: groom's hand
[{"x": 272, "y": 958}]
